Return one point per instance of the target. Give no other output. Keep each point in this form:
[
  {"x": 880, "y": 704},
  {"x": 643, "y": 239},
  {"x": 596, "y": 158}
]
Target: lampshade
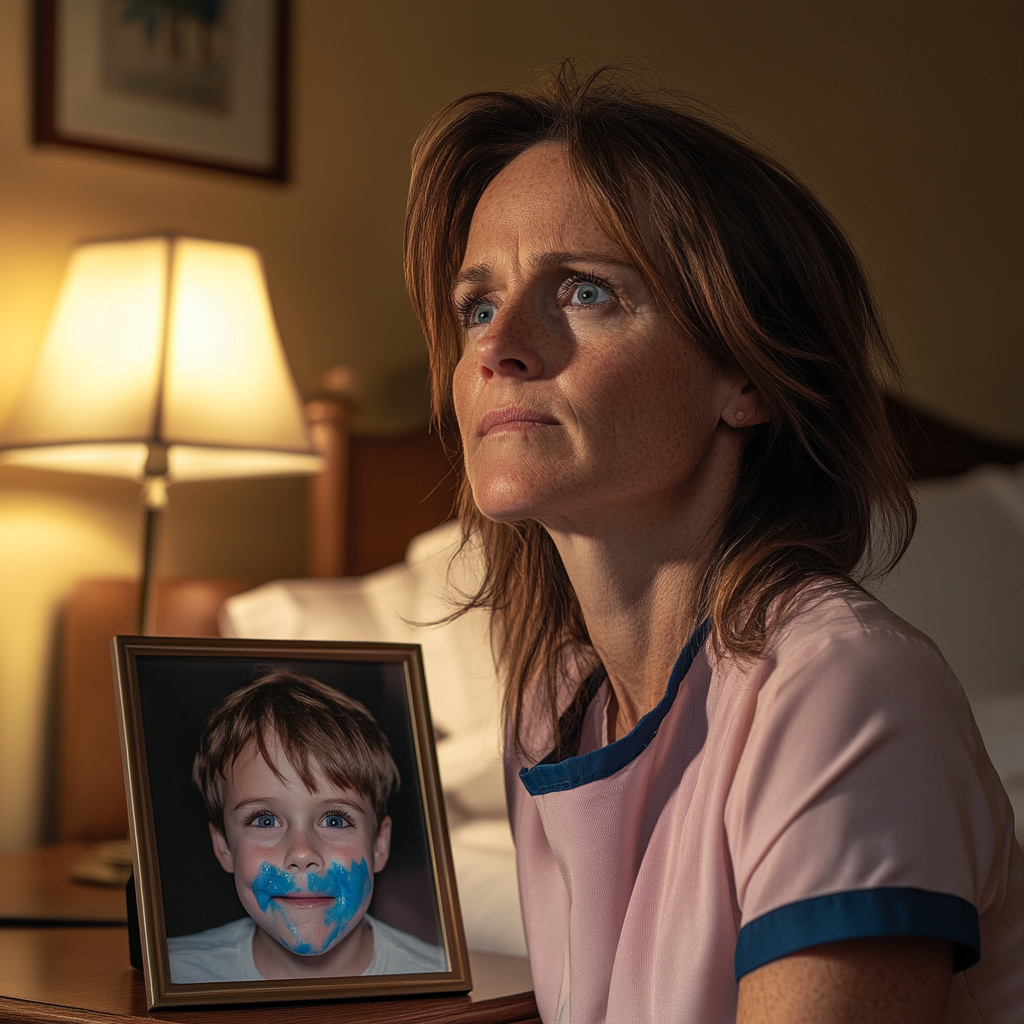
[{"x": 162, "y": 351}]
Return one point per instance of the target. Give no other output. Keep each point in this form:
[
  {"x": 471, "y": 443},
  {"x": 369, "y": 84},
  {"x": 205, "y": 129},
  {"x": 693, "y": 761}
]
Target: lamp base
[{"x": 154, "y": 501}]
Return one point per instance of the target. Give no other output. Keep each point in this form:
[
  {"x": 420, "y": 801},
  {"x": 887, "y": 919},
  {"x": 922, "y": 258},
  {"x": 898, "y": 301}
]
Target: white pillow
[
  {"x": 485, "y": 868},
  {"x": 962, "y": 582},
  {"x": 962, "y": 579},
  {"x": 388, "y": 606}
]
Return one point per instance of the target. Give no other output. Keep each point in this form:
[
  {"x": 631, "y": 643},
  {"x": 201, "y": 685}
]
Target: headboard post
[{"x": 328, "y": 491}]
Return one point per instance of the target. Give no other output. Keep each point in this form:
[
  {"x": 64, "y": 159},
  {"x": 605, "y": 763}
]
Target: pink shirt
[{"x": 835, "y": 788}]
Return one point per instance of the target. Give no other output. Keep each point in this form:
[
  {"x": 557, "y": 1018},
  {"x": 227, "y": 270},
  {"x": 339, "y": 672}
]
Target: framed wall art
[
  {"x": 288, "y": 832},
  {"x": 200, "y": 82}
]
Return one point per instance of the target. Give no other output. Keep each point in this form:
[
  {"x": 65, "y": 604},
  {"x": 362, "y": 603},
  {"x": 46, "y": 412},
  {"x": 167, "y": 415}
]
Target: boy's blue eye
[
  {"x": 264, "y": 821},
  {"x": 333, "y": 821}
]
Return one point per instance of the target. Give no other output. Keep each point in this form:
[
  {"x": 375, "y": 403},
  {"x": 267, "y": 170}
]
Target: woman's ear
[
  {"x": 744, "y": 408},
  {"x": 221, "y": 850},
  {"x": 382, "y": 844}
]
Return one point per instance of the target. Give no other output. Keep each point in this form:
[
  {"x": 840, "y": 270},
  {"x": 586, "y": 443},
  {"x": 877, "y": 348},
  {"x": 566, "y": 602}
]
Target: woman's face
[{"x": 575, "y": 394}]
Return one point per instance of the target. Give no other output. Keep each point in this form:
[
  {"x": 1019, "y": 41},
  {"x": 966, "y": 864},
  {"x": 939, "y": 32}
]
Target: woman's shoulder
[
  {"x": 858, "y": 730},
  {"x": 836, "y": 619},
  {"x": 838, "y": 651}
]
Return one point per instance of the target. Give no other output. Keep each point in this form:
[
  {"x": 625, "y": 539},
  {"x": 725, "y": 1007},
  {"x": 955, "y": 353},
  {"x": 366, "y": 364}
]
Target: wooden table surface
[
  {"x": 82, "y": 974},
  {"x": 35, "y": 887},
  {"x": 64, "y": 957}
]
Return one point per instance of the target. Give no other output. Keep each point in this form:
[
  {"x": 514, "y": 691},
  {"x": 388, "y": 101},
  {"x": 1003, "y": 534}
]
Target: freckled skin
[
  {"x": 303, "y": 865},
  {"x": 881, "y": 980},
  {"x": 636, "y": 401}
]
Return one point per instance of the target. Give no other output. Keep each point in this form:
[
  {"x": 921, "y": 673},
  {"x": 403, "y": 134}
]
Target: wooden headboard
[
  {"x": 375, "y": 494},
  {"x": 373, "y": 497},
  {"x": 935, "y": 448}
]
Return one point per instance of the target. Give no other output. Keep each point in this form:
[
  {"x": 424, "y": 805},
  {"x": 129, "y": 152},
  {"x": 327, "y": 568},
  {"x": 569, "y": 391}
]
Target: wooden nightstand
[{"x": 64, "y": 957}]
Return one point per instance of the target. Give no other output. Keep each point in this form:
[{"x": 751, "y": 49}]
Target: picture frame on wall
[
  {"x": 288, "y": 831},
  {"x": 200, "y": 82}
]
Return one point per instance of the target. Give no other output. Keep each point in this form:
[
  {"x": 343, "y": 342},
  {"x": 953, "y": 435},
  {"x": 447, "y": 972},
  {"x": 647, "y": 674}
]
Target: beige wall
[{"x": 904, "y": 115}]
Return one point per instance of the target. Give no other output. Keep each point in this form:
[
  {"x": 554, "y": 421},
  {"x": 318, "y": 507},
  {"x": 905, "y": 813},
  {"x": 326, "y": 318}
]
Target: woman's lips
[{"x": 513, "y": 418}]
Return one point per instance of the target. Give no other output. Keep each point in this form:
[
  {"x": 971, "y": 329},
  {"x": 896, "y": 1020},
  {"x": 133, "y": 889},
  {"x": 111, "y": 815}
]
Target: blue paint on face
[
  {"x": 348, "y": 887},
  {"x": 271, "y": 882}
]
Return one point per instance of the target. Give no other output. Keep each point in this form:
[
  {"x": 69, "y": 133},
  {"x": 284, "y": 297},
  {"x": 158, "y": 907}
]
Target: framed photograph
[
  {"x": 200, "y": 82},
  {"x": 288, "y": 831}
]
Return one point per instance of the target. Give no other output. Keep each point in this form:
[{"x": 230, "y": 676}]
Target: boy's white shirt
[{"x": 225, "y": 953}]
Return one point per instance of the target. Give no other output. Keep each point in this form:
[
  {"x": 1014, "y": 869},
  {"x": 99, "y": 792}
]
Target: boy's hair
[{"x": 320, "y": 730}]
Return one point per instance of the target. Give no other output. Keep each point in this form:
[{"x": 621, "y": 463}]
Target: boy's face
[{"x": 303, "y": 862}]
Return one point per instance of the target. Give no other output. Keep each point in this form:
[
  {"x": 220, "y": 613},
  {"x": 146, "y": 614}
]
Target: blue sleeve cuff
[{"x": 859, "y": 914}]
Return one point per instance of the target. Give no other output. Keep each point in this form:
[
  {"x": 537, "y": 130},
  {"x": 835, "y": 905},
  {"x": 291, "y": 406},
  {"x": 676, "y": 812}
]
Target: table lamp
[{"x": 161, "y": 363}]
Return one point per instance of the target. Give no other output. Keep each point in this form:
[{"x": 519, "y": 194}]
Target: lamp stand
[{"x": 154, "y": 501}]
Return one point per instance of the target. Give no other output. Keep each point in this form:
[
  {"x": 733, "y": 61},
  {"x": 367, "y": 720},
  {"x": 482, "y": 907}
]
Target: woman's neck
[
  {"x": 639, "y": 610},
  {"x": 637, "y": 570}
]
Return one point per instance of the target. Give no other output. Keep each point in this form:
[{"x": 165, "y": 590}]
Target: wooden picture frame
[
  {"x": 204, "y": 85},
  {"x": 166, "y": 689}
]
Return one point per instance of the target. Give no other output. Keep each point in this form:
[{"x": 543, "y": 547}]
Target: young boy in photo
[{"x": 296, "y": 778}]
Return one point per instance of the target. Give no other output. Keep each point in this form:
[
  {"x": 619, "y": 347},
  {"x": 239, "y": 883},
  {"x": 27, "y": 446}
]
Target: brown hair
[
  {"x": 758, "y": 274},
  {"x": 319, "y": 728}
]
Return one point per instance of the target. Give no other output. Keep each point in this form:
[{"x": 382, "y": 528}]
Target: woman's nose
[{"x": 508, "y": 347}]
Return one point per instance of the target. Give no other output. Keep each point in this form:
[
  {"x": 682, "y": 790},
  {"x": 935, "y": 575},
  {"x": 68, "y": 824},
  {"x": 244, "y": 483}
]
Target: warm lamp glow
[
  {"x": 162, "y": 352},
  {"x": 161, "y": 363}
]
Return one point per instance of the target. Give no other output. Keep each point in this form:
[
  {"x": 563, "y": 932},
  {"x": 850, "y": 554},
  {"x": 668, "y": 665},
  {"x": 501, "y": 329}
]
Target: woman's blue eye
[
  {"x": 588, "y": 294},
  {"x": 264, "y": 821},
  {"x": 333, "y": 821},
  {"x": 483, "y": 313}
]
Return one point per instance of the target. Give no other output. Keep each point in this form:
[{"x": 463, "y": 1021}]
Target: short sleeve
[{"x": 863, "y": 803}]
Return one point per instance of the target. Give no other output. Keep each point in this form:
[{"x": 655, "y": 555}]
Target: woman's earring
[{"x": 738, "y": 417}]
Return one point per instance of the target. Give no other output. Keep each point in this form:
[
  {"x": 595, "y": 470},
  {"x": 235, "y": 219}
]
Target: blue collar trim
[{"x": 606, "y": 761}]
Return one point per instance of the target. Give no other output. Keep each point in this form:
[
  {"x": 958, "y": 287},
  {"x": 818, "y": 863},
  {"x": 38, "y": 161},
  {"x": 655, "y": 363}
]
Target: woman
[{"x": 663, "y": 359}]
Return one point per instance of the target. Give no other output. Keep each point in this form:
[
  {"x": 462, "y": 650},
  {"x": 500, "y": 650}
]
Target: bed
[{"x": 380, "y": 541}]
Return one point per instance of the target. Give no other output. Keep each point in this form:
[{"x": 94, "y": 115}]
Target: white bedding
[
  {"x": 463, "y": 692},
  {"x": 962, "y": 582}
]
